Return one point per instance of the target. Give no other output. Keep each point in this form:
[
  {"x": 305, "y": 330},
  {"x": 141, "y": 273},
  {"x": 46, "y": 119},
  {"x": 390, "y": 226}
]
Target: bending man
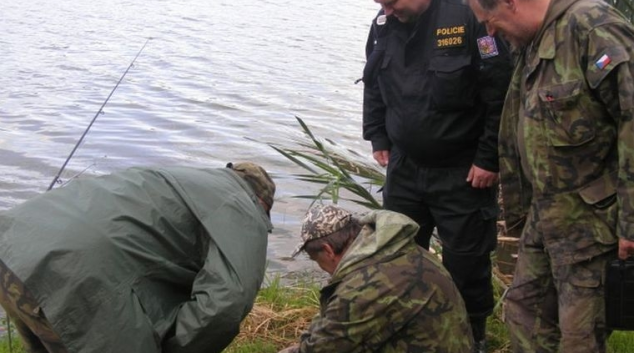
[{"x": 140, "y": 261}]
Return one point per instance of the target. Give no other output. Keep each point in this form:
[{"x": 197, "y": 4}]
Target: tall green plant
[{"x": 334, "y": 167}]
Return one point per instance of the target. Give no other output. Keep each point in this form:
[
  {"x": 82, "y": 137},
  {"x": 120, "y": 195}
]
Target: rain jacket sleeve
[
  {"x": 225, "y": 288},
  {"x": 211, "y": 319}
]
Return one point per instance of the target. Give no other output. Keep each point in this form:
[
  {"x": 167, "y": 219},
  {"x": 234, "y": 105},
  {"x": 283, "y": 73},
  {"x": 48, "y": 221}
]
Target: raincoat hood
[{"x": 383, "y": 233}]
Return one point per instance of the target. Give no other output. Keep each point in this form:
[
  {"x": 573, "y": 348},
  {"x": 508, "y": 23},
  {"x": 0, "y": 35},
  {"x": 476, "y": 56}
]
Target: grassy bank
[
  {"x": 278, "y": 317},
  {"x": 282, "y": 312}
]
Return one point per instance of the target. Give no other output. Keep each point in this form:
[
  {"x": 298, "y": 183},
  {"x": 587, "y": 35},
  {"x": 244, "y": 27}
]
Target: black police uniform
[{"x": 433, "y": 95}]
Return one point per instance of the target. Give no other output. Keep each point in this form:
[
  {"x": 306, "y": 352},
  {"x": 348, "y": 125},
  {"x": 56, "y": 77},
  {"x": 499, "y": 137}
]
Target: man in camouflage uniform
[
  {"x": 386, "y": 293},
  {"x": 567, "y": 164}
]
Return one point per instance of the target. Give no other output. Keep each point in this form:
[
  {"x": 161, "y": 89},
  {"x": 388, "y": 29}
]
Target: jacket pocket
[
  {"x": 452, "y": 82},
  {"x": 565, "y": 118},
  {"x": 600, "y": 196}
]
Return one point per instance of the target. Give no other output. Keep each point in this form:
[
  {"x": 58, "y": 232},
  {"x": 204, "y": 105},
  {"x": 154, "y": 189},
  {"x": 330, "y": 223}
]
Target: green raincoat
[{"x": 141, "y": 261}]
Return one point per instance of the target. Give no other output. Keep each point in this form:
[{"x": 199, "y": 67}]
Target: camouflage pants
[
  {"x": 556, "y": 307},
  {"x": 37, "y": 334}
]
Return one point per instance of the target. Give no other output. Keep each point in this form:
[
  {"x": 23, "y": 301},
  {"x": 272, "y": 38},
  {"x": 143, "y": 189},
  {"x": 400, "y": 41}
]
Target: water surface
[{"x": 215, "y": 73}]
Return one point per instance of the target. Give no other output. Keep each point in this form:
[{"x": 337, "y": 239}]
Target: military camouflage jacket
[
  {"x": 567, "y": 135},
  {"x": 389, "y": 295}
]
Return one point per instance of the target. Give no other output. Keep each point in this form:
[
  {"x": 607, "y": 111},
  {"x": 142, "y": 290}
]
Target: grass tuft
[{"x": 279, "y": 316}]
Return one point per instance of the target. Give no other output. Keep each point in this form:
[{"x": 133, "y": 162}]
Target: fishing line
[{"x": 100, "y": 111}]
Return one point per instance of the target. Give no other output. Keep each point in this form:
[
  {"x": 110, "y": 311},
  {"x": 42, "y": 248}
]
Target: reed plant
[{"x": 324, "y": 162}]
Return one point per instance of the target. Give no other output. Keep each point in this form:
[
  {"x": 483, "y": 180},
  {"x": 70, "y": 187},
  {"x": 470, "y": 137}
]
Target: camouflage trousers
[
  {"x": 25, "y": 313},
  {"x": 549, "y": 308}
]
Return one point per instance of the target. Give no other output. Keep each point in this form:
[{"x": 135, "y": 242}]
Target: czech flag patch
[
  {"x": 487, "y": 47},
  {"x": 603, "y": 62}
]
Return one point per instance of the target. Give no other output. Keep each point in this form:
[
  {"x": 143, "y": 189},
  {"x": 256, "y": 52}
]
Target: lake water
[{"x": 217, "y": 79}]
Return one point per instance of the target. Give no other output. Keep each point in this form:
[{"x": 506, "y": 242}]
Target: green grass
[
  {"x": 280, "y": 314},
  {"x": 621, "y": 342},
  {"x": 305, "y": 292},
  {"x": 497, "y": 334},
  {"x": 499, "y": 341},
  {"x": 252, "y": 347},
  {"x": 15, "y": 347}
]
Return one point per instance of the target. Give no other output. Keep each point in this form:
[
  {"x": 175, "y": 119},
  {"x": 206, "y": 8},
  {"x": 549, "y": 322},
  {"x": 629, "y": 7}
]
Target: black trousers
[{"x": 464, "y": 216}]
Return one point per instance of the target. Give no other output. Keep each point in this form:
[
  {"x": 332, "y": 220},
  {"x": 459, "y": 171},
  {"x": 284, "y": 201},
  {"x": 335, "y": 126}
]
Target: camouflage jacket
[
  {"x": 567, "y": 135},
  {"x": 388, "y": 295}
]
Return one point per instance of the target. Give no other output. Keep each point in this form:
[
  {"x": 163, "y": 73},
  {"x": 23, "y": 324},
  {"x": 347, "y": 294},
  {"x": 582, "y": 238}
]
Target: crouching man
[
  {"x": 386, "y": 293},
  {"x": 140, "y": 261}
]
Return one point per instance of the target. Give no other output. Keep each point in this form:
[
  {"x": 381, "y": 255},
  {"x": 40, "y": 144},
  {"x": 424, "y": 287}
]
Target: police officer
[{"x": 434, "y": 87}]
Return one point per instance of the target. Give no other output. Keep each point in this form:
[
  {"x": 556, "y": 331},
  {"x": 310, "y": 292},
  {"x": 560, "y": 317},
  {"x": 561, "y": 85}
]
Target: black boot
[
  {"x": 480, "y": 346},
  {"x": 478, "y": 328}
]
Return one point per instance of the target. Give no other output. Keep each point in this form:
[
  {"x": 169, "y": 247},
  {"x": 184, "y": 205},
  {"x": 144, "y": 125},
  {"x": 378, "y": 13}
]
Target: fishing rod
[
  {"x": 100, "y": 111},
  {"x": 56, "y": 179}
]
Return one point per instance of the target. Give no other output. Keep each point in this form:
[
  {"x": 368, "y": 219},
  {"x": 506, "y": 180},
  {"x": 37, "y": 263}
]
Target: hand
[
  {"x": 626, "y": 248},
  {"x": 291, "y": 349},
  {"x": 480, "y": 178},
  {"x": 382, "y": 157}
]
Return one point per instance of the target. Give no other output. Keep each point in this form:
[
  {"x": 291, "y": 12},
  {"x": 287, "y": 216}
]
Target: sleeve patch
[
  {"x": 603, "y": 62},
  {"x": 487, "y": 47}
]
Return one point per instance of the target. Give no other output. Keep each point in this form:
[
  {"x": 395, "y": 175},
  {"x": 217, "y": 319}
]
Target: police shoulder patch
[{"x": 487, "y": 47}]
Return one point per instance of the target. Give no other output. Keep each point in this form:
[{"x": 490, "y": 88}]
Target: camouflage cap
[
  {"x": 257, "y": 178},
  {"x": 321, "y": 221}
]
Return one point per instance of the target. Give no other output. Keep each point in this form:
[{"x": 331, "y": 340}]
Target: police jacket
[
  {"x": 141, "y": 261},
  {"x": 435, "y": 88},
  {"x": 389, "y": 295},
  {"x": 567, "y": 132}
]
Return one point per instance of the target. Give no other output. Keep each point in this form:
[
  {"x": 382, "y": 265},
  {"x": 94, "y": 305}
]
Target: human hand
[
  {"x": 382, "y": 157},
  {"x": 291, "y": 349},
  {"x": 480, "y": 178},
  {"x": 626, "y": 248}
]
